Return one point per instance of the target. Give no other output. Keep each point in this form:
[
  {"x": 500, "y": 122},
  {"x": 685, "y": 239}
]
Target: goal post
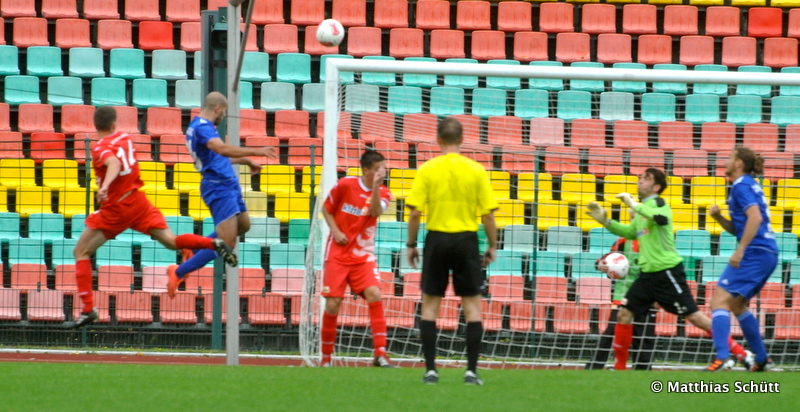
[{"x": 537, "y": 309}]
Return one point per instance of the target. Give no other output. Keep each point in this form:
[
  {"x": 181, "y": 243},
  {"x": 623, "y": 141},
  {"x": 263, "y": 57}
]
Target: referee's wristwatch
[{"x": 411, "y": 244}]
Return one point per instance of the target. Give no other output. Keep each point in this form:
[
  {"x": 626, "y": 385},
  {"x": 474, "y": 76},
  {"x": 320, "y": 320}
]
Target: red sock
[
  {"x": 328, "y": 333},
  {"x": 736, "y": 349},
  {"x": 623, "y": 336},
  {"x": 193, "y": 242},
  {"x": 377, "y": 323},
  {"x": 83, "y": 278}
]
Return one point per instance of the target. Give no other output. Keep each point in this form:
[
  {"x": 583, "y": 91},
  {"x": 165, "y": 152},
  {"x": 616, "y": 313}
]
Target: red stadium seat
[
  {"x": 654, "y": 49},
  {"x": 396, "y": 153},
  {"x": 163, "y": 120},
  {"x": 559, "y": 160},
  {"x": 481, "y": 153},
  {"x": 419, "y": 127},
  {"x": 179, "y": 11},
  {"x": 253, "y": 122},
  {"x": 666, "y": 324},
  {"x": 696, "y": 50},
  {"x": 426, "y": 151},
  {"x": 142, "y": 10},
  {"x": 598, "y": 18},
  {"x": 251, "y": 44},
  {"x": 492, "y": 315},
  {"x": 780, "y": 52},
  {"x": 506, "y": 287},
  {"x": 190, "y": 36},
  {"x": 630, "y": 134},
  {"x": 252, "y": 282},
  {"x": 300, "y": 151},
  {"x": 181, "y": 309},
  {"x": 549, "y": 131},
  {"x": 11, "y": 145},
  {"x": 391, "y": 14},
  {"x": 377, "y": 127},
  {"x": 350, "y": 12},
  {"x": 604, "y": 161},
  {"x": 722, "y": 21},
  {"x": 488, "y": 45},
  {"x": 473, "y": 15},
  {"x": 738, "y": 51},
  {"x": 778, "y": 165},
  {"x": 59, "y": 9},
  {"x": 688, "y": 163},
  {"x": 761, "y": 137},
  {"x": 588, "y": 133},
  {"x": 200, "y": 281},
  {"x": 9, "y": 305},
  {"x": 404, "y": 42},
  {"x": 793, "y": 28},
  {"x": 642, "y": 159},
  {"x": 518, "y": 158},
  {"x": 100, "y": 9},
  {"x": 571, "y": 318},
  {"x": 639, "y": 19},
  {"x": 675, "y": 135},
  {"x": 266, "y": 309},
  {"x": 46, "y": 305},
  {"x": 716, "y": 136},
  {"x": 680, "y": 20},
  {"x": 470, "y": 128},
  {"x": 30, "y": 31},
  {"x": 613, "y": 48},
  {"x": 344, "y": 129},
  {"x": 503, "y": 130},
  {"x": 514, "y": 16},
  {"x": 526, "y": 316},
  {"x": 787, "y": 324},
  {"x": 772, "y": 296},
  {"x": 433, "y": 14},
  {"x": 307, "y": 12},
  {"x": 28, "y": 276},
  {"x": 263, "y": 141},
  {"x": 572, "y": 47},
  {"x": 792, "y": 140},
  {"x": 18, "y": 8},
  {"x": 593, "y": 291},
  {"x": 35, "y": 118},
  {"x": 114, "y": 34},
  {"x": 364, "y": 41},
  {"x": 764, "y": 22},
  {"x": 2, "y": 32},
  {"x": 291, "y": 123},
  {"x": 155, "y": 35},
  {"x": 5, "y": 117},
  {"x": 268, "y": 12},
  {"x": 77, "y": 118},
  {"x": 287, "y": 281},
  {"x": 209, "y": 305},
  {"x": 315, "y": 48},
  {"x": 72, "y": 33},
  {"x": 399, "y": 312},
  {"x": 154, "y": 279},
  {"x": 530, "y": 46},
  {"x": 550, "y": 290},
  {"x": 556, "y": 17},
  {"x": 134, "y": 307},
  {"x": 280, "y": 38},
  {"x": 447, "y": 44},
  {"x": 127, "y": 119},
  {"x": 172, "y": 149},
  {"x": 115, "y": 278}
]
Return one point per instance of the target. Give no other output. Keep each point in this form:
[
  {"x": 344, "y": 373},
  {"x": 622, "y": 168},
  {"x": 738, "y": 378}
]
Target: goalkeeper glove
[
  {"x": 597, "y": 213},
  {"x": 628, "y": 200}
]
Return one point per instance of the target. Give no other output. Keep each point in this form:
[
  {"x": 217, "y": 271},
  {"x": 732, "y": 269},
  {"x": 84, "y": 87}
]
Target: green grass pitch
[{"x": 119, "y": 387}]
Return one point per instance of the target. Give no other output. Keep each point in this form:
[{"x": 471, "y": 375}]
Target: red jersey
[
  {"x": 120, "y": 146},
  {"x": 348, "y": 203}
]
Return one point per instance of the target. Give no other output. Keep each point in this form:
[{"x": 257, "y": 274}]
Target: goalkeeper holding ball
[{"x": 662, "y": 278}]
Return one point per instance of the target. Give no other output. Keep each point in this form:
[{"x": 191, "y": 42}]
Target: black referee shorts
[
  {"x": 456, "y": 252},
  {"x": 667, "y": 287}
]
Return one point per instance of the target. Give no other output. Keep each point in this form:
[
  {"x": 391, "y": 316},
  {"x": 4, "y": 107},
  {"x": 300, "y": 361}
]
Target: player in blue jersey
[
  {"x": 219, "y": 186},
  {"x": 755, "y": 258}
]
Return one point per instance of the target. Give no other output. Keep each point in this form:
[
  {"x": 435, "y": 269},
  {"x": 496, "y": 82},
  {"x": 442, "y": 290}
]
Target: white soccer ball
[
  {"x": 617, "y": 265},
  {"x": 330, "y": 32}
]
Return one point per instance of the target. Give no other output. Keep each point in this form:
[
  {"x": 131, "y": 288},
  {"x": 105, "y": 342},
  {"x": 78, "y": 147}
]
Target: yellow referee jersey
[{"x": 456, "y": 190}]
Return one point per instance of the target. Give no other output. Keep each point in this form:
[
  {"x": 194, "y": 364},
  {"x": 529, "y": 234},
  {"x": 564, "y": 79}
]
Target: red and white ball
[
  {"x": 618, "y": 265},
  {"x": 330, "y": 32}
]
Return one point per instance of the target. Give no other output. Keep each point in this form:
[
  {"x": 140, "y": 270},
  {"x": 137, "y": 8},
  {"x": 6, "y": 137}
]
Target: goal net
[{"x": 553, "y": 139}]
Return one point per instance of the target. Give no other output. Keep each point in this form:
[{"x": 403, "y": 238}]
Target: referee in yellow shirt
[{"x": 452, "y": 188}]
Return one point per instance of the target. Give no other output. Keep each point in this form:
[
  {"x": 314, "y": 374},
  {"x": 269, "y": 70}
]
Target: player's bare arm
[
  {"x": 232, "y": 152},
  {"x": 726, "y": 224},
  {"x": 413, "y": 227},
  {"x": 490, "y": 227},
  {"x": 338, "y": 236},
  {"x": 113, "y": 167},
  {"x": 750, "y": 229}
]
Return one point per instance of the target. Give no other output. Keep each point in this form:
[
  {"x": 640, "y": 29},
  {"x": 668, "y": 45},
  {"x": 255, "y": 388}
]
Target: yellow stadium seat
[
  {"x": 390, "y": 214},
  {"x": 245, "y": 178},
  {"x": 277, "y": 179},
  {"x": 59, "y": 174},
  {"x": 400, "y": 181},
  {"x": 796, "y": 221},
  {"x": 685, "y": 217},
  {"x": 527, "y": 183},
  {"x": 256, "y": 203},
  {"x": 788, "y": 194},
  {"x": 3, "y": 199},
  {"x": 616, "y": 184},
  {"x": 306, "y": 182},
  {"x": 776, "y": 218},
  {"x": 664, "y": 1},
  {"x": 354, "y": 171},
  {"x": 16, "y": 173},
  {"x": 578, "y": 188},
  {"x": 72, "y": 201},
  {"x": 551, "y": 213},
  {"x": 501, "y": 183},
  {"x": 585, "y": 222},
  {"x": 785, "y": 3},
  {"x": 706, "y": 191},
  {"x": 185, "y": 178},
  {"x": 509, "y": 212},
  {"x": 197, "y": 208},
  {"x": 33, "y": 199},
  {"x": 674, "y": 191},
  {"x": 154, "y": 175},
  {"x": 711, "y": 224},
  {"x": 166, "y": 200},
  {"x": 707, "y": 2},
  {"x": 290, "y": 206},
  {"x": 749, "y": 3}
]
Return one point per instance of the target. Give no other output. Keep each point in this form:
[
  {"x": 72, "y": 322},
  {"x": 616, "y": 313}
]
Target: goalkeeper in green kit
[{"x": 662, "y": 279}]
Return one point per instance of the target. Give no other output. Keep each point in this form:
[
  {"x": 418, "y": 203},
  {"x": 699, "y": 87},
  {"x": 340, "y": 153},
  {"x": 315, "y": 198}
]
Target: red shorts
[
  {"x": 359, "y": 277},
  {"x": 133, "y": 212}
]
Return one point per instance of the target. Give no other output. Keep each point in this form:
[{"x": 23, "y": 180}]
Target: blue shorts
[
  {"x": 755, "y": 268},
  {"x": 224, "y": 200}
]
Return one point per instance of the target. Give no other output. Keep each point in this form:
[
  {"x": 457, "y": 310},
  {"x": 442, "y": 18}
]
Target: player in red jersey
[
  {"x": 351, "y": 211},
  {"x": 122, "y": 206}
]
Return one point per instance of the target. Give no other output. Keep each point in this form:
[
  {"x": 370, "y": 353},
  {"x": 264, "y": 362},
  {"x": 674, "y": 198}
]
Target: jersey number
[{"x": 127, "y": 158}]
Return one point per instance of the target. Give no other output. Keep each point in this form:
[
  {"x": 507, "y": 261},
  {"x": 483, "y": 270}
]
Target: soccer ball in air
[
  {"x": 617, "y": 265},
  {"x": 330, "y": 32}
]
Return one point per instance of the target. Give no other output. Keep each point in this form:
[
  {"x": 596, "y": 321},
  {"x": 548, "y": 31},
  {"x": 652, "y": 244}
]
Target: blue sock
[
  {"x": 720, "y": 330},
  {"x": 200, "y": 259},
  {"x": 750, "y": 330}
]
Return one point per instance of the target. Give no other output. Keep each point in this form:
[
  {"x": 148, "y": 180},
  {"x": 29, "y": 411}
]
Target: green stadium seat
[
  {"x": 299, "y": 230},
  {"x": 719, "y": 89},
  {"x": 62, "y": 252},
  {"x": 488, "y": 102},
  {"x": 403, "y": 100},
  {"x": 24, "y": 250},
  {"x": 744, "y": 109},
  {"x": 197, "y": 70},
  {"x": 313, "y": 98},
  {"x": 245, "y": 95},
  {"x": 629, "y": 86},
  {"x": 693, "y": 245},
  {"x": 264, "y": 231},
  {"x": 794, "y": 273},
  {"x": 168, "y": 65},
  {"x": 616, "y": 106},
  {"x": 702, "y": 108},
  {"x": 294, "y": 68},
  {"x": 466, "y": 82},
  {"x": 9, "y": 226},
  {"x": 784, "y": 110},
  {"x": 530, "y": 103},
  {"x": 596, "y": 86},
  {"x": 520, "y": 238},
  {"x": 447, "y": 101},
  {"x": 380, "y": 79},
  {"x": 601, "y": 240},
  {"x": 149, "y": 93},
  {"x": 188, "y": 94},
  {"x": 668, "y": 87},
  {"x": 279, "y": 96},
  {"x": 544, "y": 263},
  {"x": 658, "y": 107},
  {"x": 787, "y": 244},
  {"x": 249, "y": 255},
  {"x": 86, "y": 62},
  {"x": 46, "y": 227},
  {"x": 43, "y": 61},
  {"x": 755, "y": 89},
  {"x": 287, "y": 256},
  {"x": 546, "y": 84},
  {"x": 712, "y": 267},
  {"x": 21, "y": 89},
  {"x": 574, "y": 104},
  {"x": 505, "y": 83},
  {"x": 133, "y": 237},
  {"x": 63, "y": 90},
  {"x": 180, "y": 224},
  {"x": 391, "y": 235},
  {"x": 359, "y": 98},
  {"x": 344, "y": 77},
  {"x": 789, "y": 90},
  {"x": 115, "y": 252},
  {"x": 108, "y": 91},
  {"x": 508, "y": 262},
  {"x": 566, "y": 239},
  {"x": 154, "y": 254},
  {"x": 126, "y": 63},
  {"x": 419, "y": 80},
  {"x": 255, "y": 67},
  {"x": 9, "y": 60},
  {"x": 583, "y": 265}
]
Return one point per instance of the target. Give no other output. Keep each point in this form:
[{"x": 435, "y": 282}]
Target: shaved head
[{"x": 215, "y": 99}]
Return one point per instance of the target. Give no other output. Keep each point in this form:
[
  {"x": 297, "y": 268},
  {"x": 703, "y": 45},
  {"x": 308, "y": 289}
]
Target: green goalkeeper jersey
[
  {"x": 652, "y": 227},
  {"x": 631, "y": 251}
]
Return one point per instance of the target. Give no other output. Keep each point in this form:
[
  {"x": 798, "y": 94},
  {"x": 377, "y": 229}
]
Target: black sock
[
  {"x": 427, "y": 332},
  {"x": 474, "y": 336}
]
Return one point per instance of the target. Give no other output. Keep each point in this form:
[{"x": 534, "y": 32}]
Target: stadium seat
[
  {"x": 561, "y": 160},
  {"x": 290, "y": 124},
  {"x": 716, "y": 136},
  {"x": 280, "y": 38},
  {"x": 702, "y": 108},
  {"x": 464, "y": 82},
  {"x": 446, "y": 101},
  {"x": 46, "y": 227},
  {"x": 616, "y": 106},
  {"x": 22, "y": 8},
  {"x": 629, "y": 86},
  {"x": 86, "y": 62},
  {"x": 738, "y": 51},
  {"x": 573, "y": 105},
  {"x": 447, "y": 44},
  {"x": 596, "y": 86},
  {"x": 764, "y": 22},
  {"x": 315, "y": 48},
  {"x": 43, "y": 61},
  {"x": 688, "y": 163},
  {"x": 72, "y": 33},
  {"x": 529, "y": 103},
  {"x": 787, "y": 244},
  {"x": 26, "y": 258},
  {"x": 190, "y": 36},
  {"x": 643, "y": 158},
  {"x": 188, "y": 94},
  {"x": 550, "y": 132},
  {"x": 168, "y": 200},
  {"x": 761, "y": 137},
  {"x": 113, "y": 34},
  {"x": 307, "y": 12},
  {"x": 10, "y": 305},
  {"x": 584, "y": 267},
  {"x": 587, "y": 133},
  {"x": 780, "y": 52},
  {"x": 155, "y": 35},
  {"x": 598, "y": 18},
  {"x": 654, "y": 49},
  {"x": 433, "y": 14},
  {"x": 613, "y": 48},
  {"x": 406, "y": 42},
  {"x": 675, "y": 135},
  {"x": 783, "y": 111},
  {"x": 473, "y": 15},
  {"x": 502, "y": 130},
  {"x": 530, "y": 46},
  {"x": 705, "y": 191},
  {"x": 165, "y": 120},
  {"x": 63, "y": 90},
  {"x": 168, "y": 65},
  {"x": 293, "y": 68},
  {"x": 695, "y": 50},
  {"x": 58, "y": 174},
  {"x": 488, "y": 45},
  {"x": 172, "y": 149},
  {"x": 788, "y": 194},
  {"x": 47, "y": 145},
  {"x": 143, "y": 10},
  {"x": 604, "y": 161},
  {"x": 364, "y": 41},
  {"x": 684, "y": 216},
  {"x": 639, "y": 19},
  {"x": 278, "y": 96},
  {"x": 680, "y": 20},
  {"x": 126, "y": 63},
  {"x": 5, "y": 119},
  {"x": 550, "y": 289},
  {"x": 11, "y": 145},
  {"x": 614, "y": 184},
  {"x": 34, "y": 117},
  {"x": 178, "y": 11},
  {"x": 578, "y": 188},
  {"x": 753, "y": 89},
  {"x": 45, "y": 305},
  {"x": 17, "y": 173},
  {"x": 30, "y": 31},
  {"x": 9, "y": 60},
  {"x": 722, "y": 21},
  {"x": 350, "y": 12},
  {"x": 291, "y": 206},
  {"x": 389, "y": 14},
  {"x": 572, "y": 47},
  {"x": 778, "y": 165},
  {"x": 146, "y": 93}
]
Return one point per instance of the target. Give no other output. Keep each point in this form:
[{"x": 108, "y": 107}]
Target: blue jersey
[
  {"x": 213, "y": 166},
  {"x": 746, "y": 192}
]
